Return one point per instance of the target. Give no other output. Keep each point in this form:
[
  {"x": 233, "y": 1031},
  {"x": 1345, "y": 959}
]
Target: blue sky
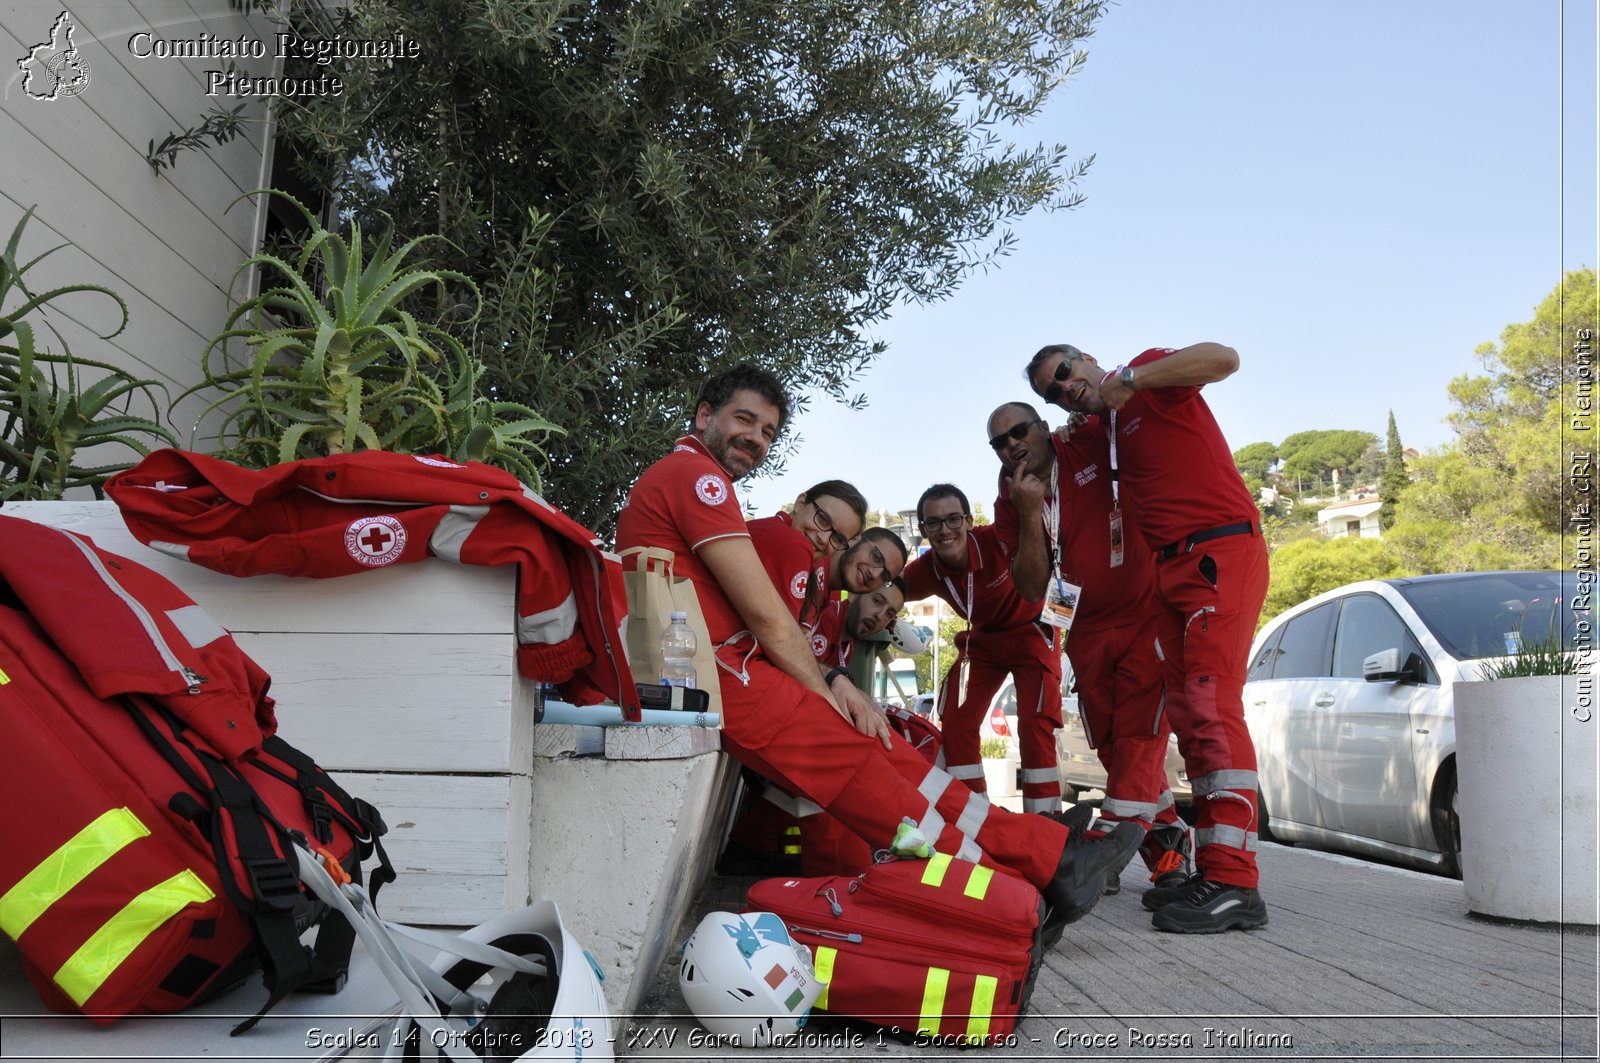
[{"x": 1353, "y": 195}]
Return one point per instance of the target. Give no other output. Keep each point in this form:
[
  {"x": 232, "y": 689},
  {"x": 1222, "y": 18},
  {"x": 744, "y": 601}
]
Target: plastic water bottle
[{"x": 677, "y": 653}]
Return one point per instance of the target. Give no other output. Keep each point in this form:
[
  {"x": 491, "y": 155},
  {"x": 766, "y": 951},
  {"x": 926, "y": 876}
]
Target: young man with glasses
[
  {"x": 1178, "y": 481},
  {"x": 968, "y": 569},
  {"x": 779, "y": 716},
  {"x": 872, "y": 561},
  {"x": 1058, "y": 519}
]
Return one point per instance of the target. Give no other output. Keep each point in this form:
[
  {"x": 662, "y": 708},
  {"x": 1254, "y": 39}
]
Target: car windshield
[{"x": 1493, "y": 614}]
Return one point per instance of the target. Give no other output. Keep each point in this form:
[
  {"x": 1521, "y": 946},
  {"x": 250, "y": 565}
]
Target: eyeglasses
[
  {"x": 1063, "y": 374},
  {"x": 821, "y": 519},
  {"x": 933, "y": 524},
  {"x": 1019, "y": 432}
]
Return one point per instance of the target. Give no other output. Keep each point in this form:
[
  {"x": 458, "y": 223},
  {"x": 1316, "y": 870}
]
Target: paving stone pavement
[{"x": 1360, "y": 961}]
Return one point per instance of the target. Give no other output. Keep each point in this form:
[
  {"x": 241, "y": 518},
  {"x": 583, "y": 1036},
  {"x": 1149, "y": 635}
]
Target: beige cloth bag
[{"x": 655, "y": 592}]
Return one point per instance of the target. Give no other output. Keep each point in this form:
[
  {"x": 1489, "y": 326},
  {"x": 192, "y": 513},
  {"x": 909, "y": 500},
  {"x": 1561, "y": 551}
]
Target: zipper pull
[
  {"x": 833, "y": 935},
  {"x": 194, "y": 680},
  {"x": 833, "y": 900}
]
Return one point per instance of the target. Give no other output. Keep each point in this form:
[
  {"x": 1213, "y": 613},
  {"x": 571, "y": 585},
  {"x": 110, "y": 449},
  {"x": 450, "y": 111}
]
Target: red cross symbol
[{"x": 376, "y": 539}]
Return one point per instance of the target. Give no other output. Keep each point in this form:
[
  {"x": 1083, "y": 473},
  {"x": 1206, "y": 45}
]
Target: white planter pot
[
  {"x": 1526, "y": 771},
  {"x": 1000, "y": 776}
]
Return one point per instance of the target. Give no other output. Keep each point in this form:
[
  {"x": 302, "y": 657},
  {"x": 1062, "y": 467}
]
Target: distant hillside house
[{"x": 1356, "y": 518}]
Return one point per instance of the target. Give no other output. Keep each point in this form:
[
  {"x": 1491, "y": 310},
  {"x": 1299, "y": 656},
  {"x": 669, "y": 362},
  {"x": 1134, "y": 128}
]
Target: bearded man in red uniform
[
  {"x": 779, "y": 715},
  {"x": 1179, "y": 483},
  {"x": 1058, "y": 516},
  {"x": 968, "y": 568}
]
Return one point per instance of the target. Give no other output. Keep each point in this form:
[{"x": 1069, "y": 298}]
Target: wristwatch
[
  {"x": 1125, "y": 374},
  {"x": 835, "y": 674}
]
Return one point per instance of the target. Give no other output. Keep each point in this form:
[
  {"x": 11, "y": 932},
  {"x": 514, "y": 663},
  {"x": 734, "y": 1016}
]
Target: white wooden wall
[
  {"x": 166, "y": 243},
  {"x": 400, "y": 682}
]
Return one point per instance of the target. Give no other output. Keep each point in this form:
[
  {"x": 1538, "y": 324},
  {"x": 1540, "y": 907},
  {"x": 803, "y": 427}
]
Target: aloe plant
[
  {"x": 45, "y": 420},
  {"x": 337, "y": 362}
]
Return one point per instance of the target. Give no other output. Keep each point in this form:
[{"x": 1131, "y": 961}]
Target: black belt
[{"x": 1244, "y": 527}]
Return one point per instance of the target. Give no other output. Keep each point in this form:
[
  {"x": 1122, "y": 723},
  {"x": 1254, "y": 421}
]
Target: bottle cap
[{"x": 676, "y": 616}]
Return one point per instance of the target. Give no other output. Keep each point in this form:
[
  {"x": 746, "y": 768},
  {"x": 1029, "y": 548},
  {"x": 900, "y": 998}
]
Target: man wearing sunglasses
[
  {"x": 968, "y": 569},
  {"x": 1179, "y": 483},
  {"x": 779, "y": 715},
  {"x": 1054, "y": 518}
]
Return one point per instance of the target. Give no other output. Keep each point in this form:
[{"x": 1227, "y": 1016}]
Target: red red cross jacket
[
  {"x": 129, "y": 630},
  {"x": 355, "y": 512}
]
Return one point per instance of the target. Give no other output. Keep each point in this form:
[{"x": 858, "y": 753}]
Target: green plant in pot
[
  {"x": 332, "y": 357},
  {"x": 49, "y": 415}
]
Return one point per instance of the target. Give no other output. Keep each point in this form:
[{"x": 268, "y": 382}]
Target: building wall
[{"x": 167, "y": 243}]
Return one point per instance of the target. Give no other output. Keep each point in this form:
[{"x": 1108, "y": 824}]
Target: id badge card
[
  {"x": 1060, "y": 603},
  {"x": 1116, "y": 536}
]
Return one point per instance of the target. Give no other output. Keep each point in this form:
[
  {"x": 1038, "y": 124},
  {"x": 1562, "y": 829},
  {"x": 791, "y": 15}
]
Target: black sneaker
[
  {"x": 1210, "y": 908},
  {"x": 1114, "y": 873},
  {"x": 1168, "y": 888},
  {"x": 1081, "y": 876},
  {"x": 1075, "y": 819}
]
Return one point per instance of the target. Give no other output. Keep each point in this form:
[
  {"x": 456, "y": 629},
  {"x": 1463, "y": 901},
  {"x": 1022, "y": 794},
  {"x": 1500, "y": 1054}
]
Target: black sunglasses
[
  {"x": 1017, "y": 431},
  {"x": 1063, "y": 374}
]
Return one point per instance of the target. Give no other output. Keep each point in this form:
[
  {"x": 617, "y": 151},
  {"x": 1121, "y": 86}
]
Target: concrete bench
[{"x": 402, "y": 683}]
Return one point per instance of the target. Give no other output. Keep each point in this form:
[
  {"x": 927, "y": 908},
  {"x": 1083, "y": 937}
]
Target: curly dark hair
[{"x": 719, "y": 390}]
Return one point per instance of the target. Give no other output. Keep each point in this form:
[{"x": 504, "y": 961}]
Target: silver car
[
  {"x": 1080, "y": 764},
  {"x": 1350, "y": 702}
]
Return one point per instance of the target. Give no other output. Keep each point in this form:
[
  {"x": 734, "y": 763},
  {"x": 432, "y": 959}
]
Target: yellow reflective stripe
[
  {"x": 63, "y": 869},
  {"x": 824, "y": 968},
  {"x": 97, "y": 958},
  {"x": 978, "y": 882},
  {"x": 982, "y": 1008},
  {"x": 4, "y": 679},
  {"x": 933, "y": 991},
  {"x": 933, "y": 874}
]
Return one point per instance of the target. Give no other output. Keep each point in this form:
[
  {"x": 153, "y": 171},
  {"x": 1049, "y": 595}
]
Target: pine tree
[{"x": 1394, "y": 478}]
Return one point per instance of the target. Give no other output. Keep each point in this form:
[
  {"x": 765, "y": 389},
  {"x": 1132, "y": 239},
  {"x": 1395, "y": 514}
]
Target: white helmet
[
  {"x": 746, "y": 980},
  {"x": 557, "y": 1014},
  {"x": 908, "y": 638}
]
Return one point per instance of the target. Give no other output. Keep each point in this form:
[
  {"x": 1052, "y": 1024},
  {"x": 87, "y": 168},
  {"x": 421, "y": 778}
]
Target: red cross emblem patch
[
  {"x": 797, "y": 586},
  {"x": 711, "y": 489},
  {"x": 375, "y": 540},
  {"x": 819, "y": 644}
]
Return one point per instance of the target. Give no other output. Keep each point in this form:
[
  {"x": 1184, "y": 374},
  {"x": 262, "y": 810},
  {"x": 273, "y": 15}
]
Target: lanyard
[
  {"x": 1114, "y": 459},
  {"x": 964, "y": 608},
  {"x": 1051, "y": 514}
]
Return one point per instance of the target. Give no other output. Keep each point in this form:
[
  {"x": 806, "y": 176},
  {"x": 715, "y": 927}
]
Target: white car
[{"x": 1350, "y": 703}]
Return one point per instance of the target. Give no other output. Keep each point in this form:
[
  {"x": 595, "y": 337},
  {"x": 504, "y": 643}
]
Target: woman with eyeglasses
[{"x": 796, "y": 548}]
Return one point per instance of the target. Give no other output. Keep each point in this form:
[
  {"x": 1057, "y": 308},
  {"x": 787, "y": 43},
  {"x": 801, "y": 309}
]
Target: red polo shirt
[
  {"x": 682, "y": 502},
  {"x": 1112, "y": 597},
  {"x": 1178, "y": 475},
  {"x": 982, "y": 593},
  {"x": 789, "y": 558},
  {"x": 829, "y": 642}
]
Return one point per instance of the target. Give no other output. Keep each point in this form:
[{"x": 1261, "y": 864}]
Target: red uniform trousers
[
  {"x": 983, "y": 660},
  {"x": 1120, "y": 699},
  {"x": 1208, "y": 601},
  {"x": 795, "y": 738}
]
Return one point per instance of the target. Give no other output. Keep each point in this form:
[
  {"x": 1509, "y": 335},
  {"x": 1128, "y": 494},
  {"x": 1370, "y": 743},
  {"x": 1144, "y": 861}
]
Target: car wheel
[
  {"x": 1264, "y": 821},
  {"x": 1447, "y": 823}
]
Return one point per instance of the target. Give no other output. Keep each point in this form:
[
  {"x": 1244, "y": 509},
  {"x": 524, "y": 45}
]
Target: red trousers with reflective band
[
  {"x": 985, "y": 659},
  {"x": 796, "y": 739},
  {"x": 1120, "y": 687},
  {"x": 1208, "y": 601}
]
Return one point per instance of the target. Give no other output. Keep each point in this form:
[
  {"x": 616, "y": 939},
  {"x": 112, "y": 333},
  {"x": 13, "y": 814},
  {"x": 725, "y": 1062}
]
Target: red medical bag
[{"x": 941, "y": 949}]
